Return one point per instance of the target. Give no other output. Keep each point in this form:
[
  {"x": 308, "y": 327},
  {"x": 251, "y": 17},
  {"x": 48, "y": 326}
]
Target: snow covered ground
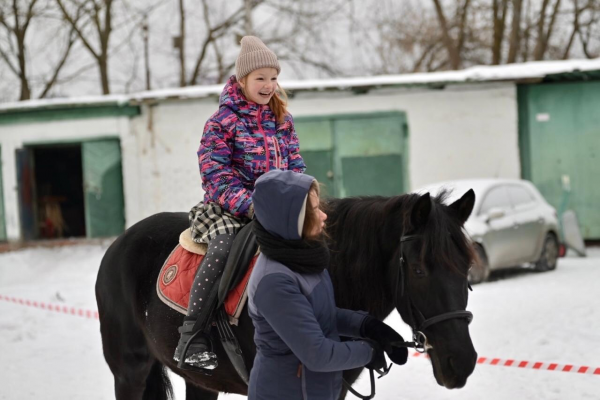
[{"x": 550, "y": 317}]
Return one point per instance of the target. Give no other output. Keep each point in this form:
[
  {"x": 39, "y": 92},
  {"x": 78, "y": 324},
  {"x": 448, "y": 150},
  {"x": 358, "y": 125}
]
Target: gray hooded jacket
[{"x": 298, "y": 326}]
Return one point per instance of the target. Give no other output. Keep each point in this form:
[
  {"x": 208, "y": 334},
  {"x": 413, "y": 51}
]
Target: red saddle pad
[{"x": 177, "y": 276}]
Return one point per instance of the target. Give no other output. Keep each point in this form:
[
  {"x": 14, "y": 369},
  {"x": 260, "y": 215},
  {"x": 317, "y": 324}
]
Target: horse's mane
[{"x": 364, "y": 239}]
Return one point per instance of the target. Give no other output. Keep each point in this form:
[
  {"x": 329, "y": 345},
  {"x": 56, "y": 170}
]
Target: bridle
[{"x": 418, "y": 322}]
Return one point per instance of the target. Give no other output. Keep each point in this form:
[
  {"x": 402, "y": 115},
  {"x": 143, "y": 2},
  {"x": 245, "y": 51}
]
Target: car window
[
  {"x": 495, "y": 198},
  {"x": 520, "y": 196}
]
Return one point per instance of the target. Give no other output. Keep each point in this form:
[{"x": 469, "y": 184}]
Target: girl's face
[
  {"x": 313, "y": 201},
  {"x": 260, "y": 85}
]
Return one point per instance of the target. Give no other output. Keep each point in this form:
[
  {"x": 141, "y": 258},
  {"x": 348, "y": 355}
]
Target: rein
[{"x": 419, "y": 342}]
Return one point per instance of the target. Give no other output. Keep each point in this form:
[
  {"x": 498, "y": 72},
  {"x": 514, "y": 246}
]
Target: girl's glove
[{"x": 384, "y": 335}]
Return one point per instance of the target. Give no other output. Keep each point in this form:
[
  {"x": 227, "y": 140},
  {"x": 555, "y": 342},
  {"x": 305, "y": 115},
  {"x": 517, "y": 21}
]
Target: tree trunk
[
  {"x": 181, "y": 44},
  {"x": 248, "y": 17},
  {"x": 515, "y": 32},
  {"x": 543, "y": 33},
  {"x": 538, "y": 51},
  {"x": 453, "y": 55},
  {"x": 550, "y": 29},
  {"x": 25, "y": 91},
  {"x": 103, "y": 66},
  {"x": 499, "y": 22},
  {"x": 574, "y": 31}
]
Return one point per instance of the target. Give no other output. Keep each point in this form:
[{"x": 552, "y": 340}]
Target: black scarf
[{"x": 302, "y": 256}]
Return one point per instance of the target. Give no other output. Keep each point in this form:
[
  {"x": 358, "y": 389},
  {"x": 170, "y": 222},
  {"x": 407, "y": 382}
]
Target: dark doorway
[{"x": 59, "y": 193}]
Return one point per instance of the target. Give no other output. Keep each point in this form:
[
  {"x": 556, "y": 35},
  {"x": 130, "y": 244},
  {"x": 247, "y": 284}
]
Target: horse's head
[{"x": 432, "y": 290}]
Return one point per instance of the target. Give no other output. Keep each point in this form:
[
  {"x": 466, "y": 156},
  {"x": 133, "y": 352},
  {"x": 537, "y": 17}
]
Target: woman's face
[
  {"x": 260, "y": 85},
  {"x": 313, "y": 201}
]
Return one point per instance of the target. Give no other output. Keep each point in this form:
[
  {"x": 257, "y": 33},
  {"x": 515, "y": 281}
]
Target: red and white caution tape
[
  {"x": 531, "y": 365},
  {"x": 481, "y": 360},
  {"x": 52, "y": 307}
]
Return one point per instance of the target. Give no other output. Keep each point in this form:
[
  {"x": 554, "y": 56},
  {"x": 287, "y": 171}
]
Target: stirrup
[
  {"x": 206, "y": 360},
  {"x": 202, "y": 362}
]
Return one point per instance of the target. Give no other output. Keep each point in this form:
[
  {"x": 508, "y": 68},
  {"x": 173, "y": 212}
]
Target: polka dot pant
[{"x": 211, "y": 267}]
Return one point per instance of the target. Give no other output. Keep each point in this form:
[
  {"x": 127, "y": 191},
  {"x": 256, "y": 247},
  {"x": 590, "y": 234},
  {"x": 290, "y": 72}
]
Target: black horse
[{"x": 428, "y": 287}]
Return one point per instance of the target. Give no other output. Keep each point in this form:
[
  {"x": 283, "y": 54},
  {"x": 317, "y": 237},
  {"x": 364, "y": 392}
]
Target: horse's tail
[{"x": 158, "y": 384}]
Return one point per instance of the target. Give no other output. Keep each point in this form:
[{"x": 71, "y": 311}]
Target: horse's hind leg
[
  {"x": 196, "y": 393},
  {"x": 137, "y": 374}
]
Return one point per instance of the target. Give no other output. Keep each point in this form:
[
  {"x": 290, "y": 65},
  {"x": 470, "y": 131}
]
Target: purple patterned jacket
[{"x": 242, "y": 141}]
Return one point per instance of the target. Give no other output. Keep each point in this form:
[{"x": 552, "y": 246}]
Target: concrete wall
[
  {"x": 466, "y": 131},
  {"x": 160, "y": 165}
]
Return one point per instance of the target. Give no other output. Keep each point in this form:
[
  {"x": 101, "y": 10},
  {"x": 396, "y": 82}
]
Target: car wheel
[
  {"x": 549, "y": 257},
  {"x": 479, "y": 271}
]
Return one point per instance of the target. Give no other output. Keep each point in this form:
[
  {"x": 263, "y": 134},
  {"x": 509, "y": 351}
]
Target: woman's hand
[
  {"x": 378, "y": 361},
  {"x": 384, "y": 335}
]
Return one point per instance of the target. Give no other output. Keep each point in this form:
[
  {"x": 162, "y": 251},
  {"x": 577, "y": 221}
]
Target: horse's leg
[
  {"x": 196, "y": 393},
  {"x": 137, "y": 374}
]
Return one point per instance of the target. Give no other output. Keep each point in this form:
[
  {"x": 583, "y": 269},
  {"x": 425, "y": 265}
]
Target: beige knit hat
[{"x": 254, "y": 55}]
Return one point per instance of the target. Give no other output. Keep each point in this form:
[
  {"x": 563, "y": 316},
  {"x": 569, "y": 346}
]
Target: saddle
[
  {"x": 177, "y": 276},
  {"x": 178, "y": 271}
]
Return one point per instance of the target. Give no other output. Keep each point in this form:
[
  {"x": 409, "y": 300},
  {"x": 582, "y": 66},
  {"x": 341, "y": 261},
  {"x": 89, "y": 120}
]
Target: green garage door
[
  {"x": 356, "y": 155},
  {"x": 560, "y": 135},
  {"x": 2, "y": 215},
  {"x": 103, "y": 185}
]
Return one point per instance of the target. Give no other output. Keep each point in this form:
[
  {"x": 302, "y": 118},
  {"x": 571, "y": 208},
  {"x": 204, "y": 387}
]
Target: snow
[
  {"x": 482, "y": 73},
  {"x": 547, "y": 317},
  {"x": 65, "y": 102}
]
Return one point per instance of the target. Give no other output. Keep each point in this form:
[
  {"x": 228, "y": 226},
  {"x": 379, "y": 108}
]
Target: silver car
[{"x": 511, "y": 224}]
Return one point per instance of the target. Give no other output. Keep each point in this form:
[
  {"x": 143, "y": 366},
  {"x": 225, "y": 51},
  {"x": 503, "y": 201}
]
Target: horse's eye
[{"x": 419, "y": 272}]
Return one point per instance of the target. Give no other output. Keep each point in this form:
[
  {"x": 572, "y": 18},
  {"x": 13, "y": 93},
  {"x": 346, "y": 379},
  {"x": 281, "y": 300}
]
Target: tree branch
[
  {"x": 52, "y": 81},
  {"x": 73, "y": 23},
  {"x": 446, "y": 38}
]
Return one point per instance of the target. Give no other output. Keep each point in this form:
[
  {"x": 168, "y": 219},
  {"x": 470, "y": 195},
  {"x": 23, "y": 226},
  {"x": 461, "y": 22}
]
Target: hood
[
  {"x": 233, "y": 98},
  {"x": 279, "y": 200}
]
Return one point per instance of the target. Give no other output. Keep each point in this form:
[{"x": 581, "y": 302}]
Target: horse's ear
[
  {"x": 464, "y": 206},
  {"x": 420, "y": 212}
]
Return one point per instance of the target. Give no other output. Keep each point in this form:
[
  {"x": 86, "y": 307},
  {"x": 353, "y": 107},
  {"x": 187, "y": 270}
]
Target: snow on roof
[
  {"x": 65, "y": 102},
  {"x": 511, "y": 72}
]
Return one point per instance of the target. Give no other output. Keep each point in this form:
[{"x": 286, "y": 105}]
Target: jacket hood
[
  {"x": 233, "y": 98},
  {"x": 279, "y": 200}
]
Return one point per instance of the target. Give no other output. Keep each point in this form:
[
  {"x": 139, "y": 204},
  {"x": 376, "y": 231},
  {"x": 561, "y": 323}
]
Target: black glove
[
  {"x": 384, "y": 335},
  {"x": 378, "y": 361}
]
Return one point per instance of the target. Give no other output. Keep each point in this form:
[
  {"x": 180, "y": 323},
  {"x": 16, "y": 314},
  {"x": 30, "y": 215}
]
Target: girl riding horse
[{"x": 250, "y": 134}]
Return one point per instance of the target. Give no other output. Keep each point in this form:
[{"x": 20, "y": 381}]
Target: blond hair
[{"x": 278, "y": 102}]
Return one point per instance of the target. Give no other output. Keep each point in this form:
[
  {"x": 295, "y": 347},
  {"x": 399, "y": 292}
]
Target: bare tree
[
  {"x": 98, "y": 14},
  {"x": 500, "y": 9},
  {"x": 16, "y": 21},
  {"x": 215, "y": 31},
  {"x": 515, "y": 31},
  {"x": 179, "y": 44},
  {"x": 453, "y": 47},
  {"x": 585, "y": 19},
  {"x": 545, "y": 27},
  {"x": 588, "y": 29},
  {"x": 300, "y": 35}
]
